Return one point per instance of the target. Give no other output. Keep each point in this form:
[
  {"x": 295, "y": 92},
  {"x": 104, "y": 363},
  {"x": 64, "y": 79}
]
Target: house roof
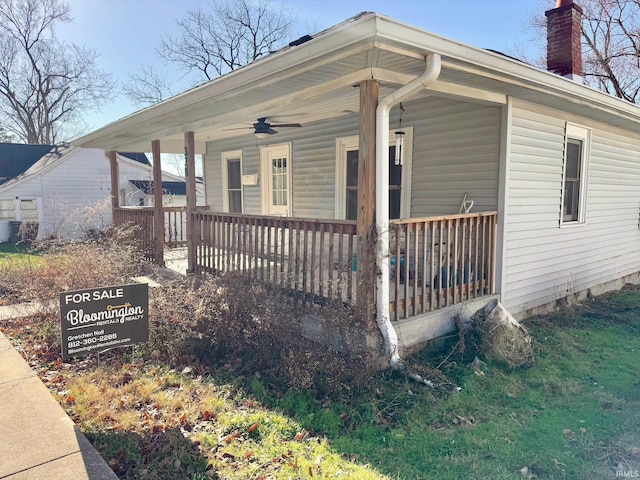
[
  {"x": 17, "y": 158},
  {"x": 314, "y": 81},
  {"x": 168, "y": 188},
  {"x": 136, "y": 157}
]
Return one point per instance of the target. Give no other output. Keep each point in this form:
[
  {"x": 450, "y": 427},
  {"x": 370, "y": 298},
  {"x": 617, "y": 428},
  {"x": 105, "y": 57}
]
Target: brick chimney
[{"x": 564, "y": 49}]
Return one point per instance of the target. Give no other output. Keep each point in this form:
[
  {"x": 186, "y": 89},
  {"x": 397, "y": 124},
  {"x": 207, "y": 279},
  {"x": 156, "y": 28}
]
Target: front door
[{"x": 276, "y": 184}]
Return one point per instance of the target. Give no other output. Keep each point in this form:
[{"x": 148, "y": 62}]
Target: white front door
[{"x": 276, "y": 184}]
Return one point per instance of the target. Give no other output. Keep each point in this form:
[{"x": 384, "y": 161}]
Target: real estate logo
[
  {"x": 627, "y": 474},
  {"x": 102, "y": 318}
]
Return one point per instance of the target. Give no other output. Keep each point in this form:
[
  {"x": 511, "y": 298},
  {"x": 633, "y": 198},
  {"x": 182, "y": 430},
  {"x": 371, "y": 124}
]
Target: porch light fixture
[
  {"x": 400, "y": 140},
  {"x": 262, "y": 135}
]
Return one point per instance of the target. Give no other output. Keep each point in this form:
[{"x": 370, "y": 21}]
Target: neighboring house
[
  {"x": 551, "y": 165},
  {"x": 65, "y": 189},
  {"x": 174, "y": 193}
]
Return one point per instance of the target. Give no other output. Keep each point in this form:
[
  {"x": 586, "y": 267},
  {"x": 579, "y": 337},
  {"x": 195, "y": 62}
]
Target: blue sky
[{"x": 125, "y": 33}]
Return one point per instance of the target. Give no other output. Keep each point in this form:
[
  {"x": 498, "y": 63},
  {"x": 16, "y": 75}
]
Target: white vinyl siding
[
  {"x": 313, "y": 164},
  {"x": 456, "y": 150},
  {"x": 544, "y": 263}
]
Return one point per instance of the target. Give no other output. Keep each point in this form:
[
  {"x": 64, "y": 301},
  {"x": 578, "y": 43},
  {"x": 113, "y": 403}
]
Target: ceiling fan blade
[
  {"x": 238, "y": 128},
  {"x": 286, "y": 125}
]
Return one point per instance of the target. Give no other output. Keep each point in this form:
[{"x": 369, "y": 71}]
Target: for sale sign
[{"x": 102, "y": 318}]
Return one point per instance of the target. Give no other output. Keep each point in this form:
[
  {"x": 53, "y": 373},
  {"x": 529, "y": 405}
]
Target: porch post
[
  {"x": 190, "y": 174},
  {"x": 366, "y": 220},
  {"x": 115, "y": 174},
  {"x": 158, "y": 213}
]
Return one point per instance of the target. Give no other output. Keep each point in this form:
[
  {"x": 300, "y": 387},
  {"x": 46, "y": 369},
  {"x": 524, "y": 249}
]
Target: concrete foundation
[
  {"x": 578, "y": 297},
  {"x": 415, "y": 332}
]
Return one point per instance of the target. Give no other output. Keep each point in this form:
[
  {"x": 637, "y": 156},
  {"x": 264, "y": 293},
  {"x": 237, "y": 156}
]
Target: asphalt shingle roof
[{"x": 17, "y": 158}]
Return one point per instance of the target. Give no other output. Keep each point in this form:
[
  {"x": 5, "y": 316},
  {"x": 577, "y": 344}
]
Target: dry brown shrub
[
  {"x": 502, "y": 337},
  {"x": 240, "y": 325},
  {"x": 231, "y": 321},
  {"x": 64, "y": 266}
]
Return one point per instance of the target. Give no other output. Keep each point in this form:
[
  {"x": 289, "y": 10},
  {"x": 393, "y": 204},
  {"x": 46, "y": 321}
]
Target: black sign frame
[{"x": 99, "y": 319}]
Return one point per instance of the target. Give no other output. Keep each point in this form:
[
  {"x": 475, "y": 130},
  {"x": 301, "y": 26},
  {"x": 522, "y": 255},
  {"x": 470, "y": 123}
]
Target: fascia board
[{"x": 139, "y": 145}]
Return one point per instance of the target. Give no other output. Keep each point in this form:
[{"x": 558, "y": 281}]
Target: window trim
[
  {"x": 15, "y": 213},
  {"x": 345, "y": 144},
  {"x": 582, "y": 134},
  {"x": 225, "y": 157}
]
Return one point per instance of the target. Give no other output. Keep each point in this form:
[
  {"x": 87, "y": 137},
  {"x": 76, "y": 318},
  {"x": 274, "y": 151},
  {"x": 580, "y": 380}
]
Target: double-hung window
[
  {"x": 232, "y": 181},
  {"x": 29, "y": 210},
  {"x": 7, "y": 209},
  {"x": 347, "y": 178},
  {"x": 575, "y": 170}
]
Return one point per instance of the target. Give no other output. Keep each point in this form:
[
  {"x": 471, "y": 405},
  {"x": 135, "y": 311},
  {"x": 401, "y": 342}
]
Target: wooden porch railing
[
  {"x": 313, "y": 257},
  {"x": 435, "y": 261},
  {"x": 441, "y": 261},
  {"x": 175, "y": 225},
  {"x": 142, "y": 219}
]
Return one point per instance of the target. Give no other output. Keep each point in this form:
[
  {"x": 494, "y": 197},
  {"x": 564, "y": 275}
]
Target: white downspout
[{"x": 431, "y": 73}]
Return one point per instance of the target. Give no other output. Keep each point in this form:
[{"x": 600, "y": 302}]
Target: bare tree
[
  {"x": 147, "y": 87},
  {"x": 174, "y": 162},
  {"x": 213, "y": 40},
  {"x": 610, "y": 45},
  {"x": 5, "y": 136},
  {"x": 45, "y": 84}
]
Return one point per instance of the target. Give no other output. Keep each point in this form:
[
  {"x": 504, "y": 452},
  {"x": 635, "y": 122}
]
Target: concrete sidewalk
[{"x": 38, "y": 441}]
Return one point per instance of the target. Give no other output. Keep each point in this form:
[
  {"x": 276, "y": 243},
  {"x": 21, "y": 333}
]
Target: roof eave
[
  {"x": 348, "y": 35},
  {"x": 482, "y": 61}
]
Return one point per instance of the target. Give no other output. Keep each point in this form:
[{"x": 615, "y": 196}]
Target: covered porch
[{"x": 314, "y": 210}]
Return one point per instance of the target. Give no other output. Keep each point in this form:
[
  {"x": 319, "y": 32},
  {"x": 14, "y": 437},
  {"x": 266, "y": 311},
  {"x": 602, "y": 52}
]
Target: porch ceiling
[{"x": 317, "y": 80}]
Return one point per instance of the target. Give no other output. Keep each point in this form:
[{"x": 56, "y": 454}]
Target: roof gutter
[{"x": 431, "y": 73}]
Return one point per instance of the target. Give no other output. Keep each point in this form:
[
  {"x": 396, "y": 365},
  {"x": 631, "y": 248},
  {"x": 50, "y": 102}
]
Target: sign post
[{"x": 102, "y": 318}]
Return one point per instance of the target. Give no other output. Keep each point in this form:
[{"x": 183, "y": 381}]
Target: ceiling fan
[{"x": 262, "y": 128}]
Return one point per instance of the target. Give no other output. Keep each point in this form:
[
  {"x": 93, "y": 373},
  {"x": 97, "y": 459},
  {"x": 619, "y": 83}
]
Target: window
[
  {"x": 574, "y": 186},
  {"x": 347, "y": 178},
  {"x": 279, "y": 183},
  {"x": 28, "y": 210},
  {"x": 351, "y": 212},
  {"x": 395, "y": 185},
  {"x": 7, "y": 209},
  {"x": 232, "y": 182}
]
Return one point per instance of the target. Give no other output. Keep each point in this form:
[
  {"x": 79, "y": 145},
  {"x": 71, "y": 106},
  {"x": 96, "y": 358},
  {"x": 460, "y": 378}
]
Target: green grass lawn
[
  {"x": 575, "y": 414},
  {"x": 10, "y": 252},
  {"x": 18, "y": 256}
]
